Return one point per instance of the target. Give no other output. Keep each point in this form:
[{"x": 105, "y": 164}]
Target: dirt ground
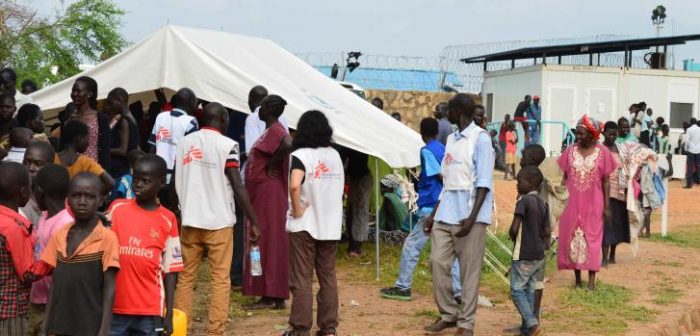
[{"x": 658, "y": 267}]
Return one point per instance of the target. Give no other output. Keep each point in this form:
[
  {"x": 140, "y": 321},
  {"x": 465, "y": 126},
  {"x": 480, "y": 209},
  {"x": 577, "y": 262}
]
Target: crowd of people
[
  {"x": 105, "y": 220},
  {"x": 103, "y": 233}
]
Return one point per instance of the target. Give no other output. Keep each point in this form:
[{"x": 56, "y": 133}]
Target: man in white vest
[{"x": 458, "y": 223}]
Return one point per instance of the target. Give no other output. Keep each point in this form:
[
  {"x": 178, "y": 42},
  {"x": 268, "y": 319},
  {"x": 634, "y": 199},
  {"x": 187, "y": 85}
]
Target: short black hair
[
  {"x": 65, "y": 114},
  {"x": 54, "y": 180},
  {"x": 660, "y": 120},
  {"x": 621, "y": 120},
  {"x": 184, "y": 99},
  {"x": 161, "y": 167},
  {"x": 20, "y": 137},
  {"x": 479, "y": 106},
  {"x": 275, "y": 104},
  {"x": 29, "y": 82},
  {"x": 45, "y": 148},
  {"x": 134, "y": 155},
  {"x": 463, "y": 103},
  {"x": 26, "y": 113},
  {"x": 13, "y": 176},
  {"x": 72, "y": 130},
  {"x": 13, "y": 74},
  {"x": 536, "y": 152},
  {"x": 313, "y": 131},
  {"x": 120, "y": 93},
  {"x": 532, "y": 174},
  {"x": 91, "y": 86},
  {"x": 693, "y": 121},
  {"x": 429, "y": 127},
  {"x": 87, "y": 176},
  {"x": 610, "y": 125}
]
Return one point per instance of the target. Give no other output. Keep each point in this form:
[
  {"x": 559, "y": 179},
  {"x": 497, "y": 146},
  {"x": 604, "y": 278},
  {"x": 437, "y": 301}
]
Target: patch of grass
[
  {"x": 667, "y": 263},
  {"x": 688, "y": 238},
  {"x": 604, "y": 311},
  {"x": 429, "y": 313},
  {"x": 664, "y": 296}
]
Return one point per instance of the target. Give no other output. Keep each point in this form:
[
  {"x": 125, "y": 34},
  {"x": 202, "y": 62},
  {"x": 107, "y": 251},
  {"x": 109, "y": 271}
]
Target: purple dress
[
  {"x": 581, "y": 223},
  {"x": 269, "y": 197}
]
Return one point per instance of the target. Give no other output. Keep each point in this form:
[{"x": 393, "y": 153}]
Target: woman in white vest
[{"x": 314, "y": 224}]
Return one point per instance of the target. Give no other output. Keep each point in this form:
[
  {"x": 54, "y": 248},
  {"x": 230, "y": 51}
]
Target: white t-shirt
[
  {"x": 15, "y": 154},
  {"x": 168, "y": 129},
  {"x": 322, "y": 190},
  {"x": 254, "y": 128},
  {"x": 645, "y": 122},
  {"x": 205, "y": 193},
  {"x": 693, "y": 143}
]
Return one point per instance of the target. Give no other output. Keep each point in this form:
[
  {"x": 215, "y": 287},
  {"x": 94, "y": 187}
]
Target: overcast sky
[{"x": 407, "y": 27}]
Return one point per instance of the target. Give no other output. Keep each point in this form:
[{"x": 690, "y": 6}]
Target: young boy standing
[
  {"x": 125, "y": 185},
  {"x": 16, "y": 259},
  {"x": 50, "y": 192},
  {"x": 85, "y": 257},
  {"x": 149, "y": 254},
  {"x": 533, "y": 156},
  {"x": 531, "y": 233}
]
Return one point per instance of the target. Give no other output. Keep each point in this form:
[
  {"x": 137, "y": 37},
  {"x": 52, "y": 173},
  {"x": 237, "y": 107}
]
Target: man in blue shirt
[
  {"x": 534, "y": 112},
  {"x": 458, "y": 223},
  {"x": 429, "y": 189}
]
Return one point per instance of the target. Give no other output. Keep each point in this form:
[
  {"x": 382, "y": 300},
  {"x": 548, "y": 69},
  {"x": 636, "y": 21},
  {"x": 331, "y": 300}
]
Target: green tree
[{"x": 50, "y": 49}]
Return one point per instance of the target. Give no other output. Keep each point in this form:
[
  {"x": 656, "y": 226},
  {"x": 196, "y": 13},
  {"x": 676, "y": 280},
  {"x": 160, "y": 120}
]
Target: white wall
[
  {"x": 567, "y": 92},
  {"x": 509, "y": 87}
]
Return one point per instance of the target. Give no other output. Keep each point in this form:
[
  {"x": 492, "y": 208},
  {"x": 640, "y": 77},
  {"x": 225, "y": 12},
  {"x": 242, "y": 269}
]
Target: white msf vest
[
  {"x": 322, "y": 191},
  {"x": 458, "y": 163}
]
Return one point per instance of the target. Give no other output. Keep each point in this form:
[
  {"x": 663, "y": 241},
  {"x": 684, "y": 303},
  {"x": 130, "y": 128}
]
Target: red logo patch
[
  {"x": 163, "y": 134},
  {"x": 320, "y": 169},
  {"x": 194, "y": 154}
]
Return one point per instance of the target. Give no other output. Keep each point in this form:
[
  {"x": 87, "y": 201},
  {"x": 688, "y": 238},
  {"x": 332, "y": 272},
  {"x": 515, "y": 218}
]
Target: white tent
[{"x": 223, "y": 67}]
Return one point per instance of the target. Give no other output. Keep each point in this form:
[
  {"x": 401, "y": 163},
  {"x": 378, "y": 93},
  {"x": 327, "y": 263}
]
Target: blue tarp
[{"x": 397, "y": 79}]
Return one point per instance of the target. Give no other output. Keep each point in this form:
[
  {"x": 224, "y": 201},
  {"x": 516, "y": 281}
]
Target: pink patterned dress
[
  {"x": 581, "y": 223},
  {"x": 93, "y": 135}
]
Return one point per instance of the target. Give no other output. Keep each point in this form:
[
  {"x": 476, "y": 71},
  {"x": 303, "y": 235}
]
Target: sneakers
[{"x": 396, "y": 293}]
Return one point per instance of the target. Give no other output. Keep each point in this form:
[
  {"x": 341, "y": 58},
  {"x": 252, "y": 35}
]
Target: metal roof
[{"x": 588, "y": 48}]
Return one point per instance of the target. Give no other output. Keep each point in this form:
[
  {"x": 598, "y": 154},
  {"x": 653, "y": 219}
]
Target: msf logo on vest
[
  {"x": 451, "y": 160},
  {"x": 193, "y": 154},
  {"x": 320, "y": 170},
  {"x": 163, "y": 135}
]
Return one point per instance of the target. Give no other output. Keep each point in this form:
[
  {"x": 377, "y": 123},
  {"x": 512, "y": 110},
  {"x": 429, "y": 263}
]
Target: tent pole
[
  {"x": 664, "y": 210},
  {"x": 376, "y": 217}
]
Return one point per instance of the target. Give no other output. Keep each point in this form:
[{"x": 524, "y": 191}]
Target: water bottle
[{"x": 255, "y": 264}]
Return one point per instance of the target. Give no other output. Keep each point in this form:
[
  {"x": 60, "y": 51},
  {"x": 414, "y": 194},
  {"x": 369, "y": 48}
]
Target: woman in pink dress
[
  {"x": 587, "y": 166},
  {"x": 266, "y": 175},
  {"x": 84, "y": 96}
]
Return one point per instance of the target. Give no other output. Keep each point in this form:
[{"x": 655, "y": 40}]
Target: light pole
[{"x": 658, "y": 16}]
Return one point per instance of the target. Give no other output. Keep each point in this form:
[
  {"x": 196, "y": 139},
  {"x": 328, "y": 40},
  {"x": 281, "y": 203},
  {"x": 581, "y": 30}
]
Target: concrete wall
[{"x": 413, "y": 105}]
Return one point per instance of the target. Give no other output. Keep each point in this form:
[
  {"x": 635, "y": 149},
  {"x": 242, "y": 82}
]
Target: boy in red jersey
[{"x": 149, "y": 252}]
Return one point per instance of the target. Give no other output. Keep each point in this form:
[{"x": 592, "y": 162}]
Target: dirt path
[{"x": 662, "y": 280}]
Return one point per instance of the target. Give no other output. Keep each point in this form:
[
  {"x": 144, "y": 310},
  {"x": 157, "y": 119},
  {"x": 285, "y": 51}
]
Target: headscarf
[{"x": 590, "y": 124}]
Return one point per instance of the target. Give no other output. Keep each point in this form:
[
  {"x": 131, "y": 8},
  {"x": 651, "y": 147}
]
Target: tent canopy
[{"x": 223, "y": 67}]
